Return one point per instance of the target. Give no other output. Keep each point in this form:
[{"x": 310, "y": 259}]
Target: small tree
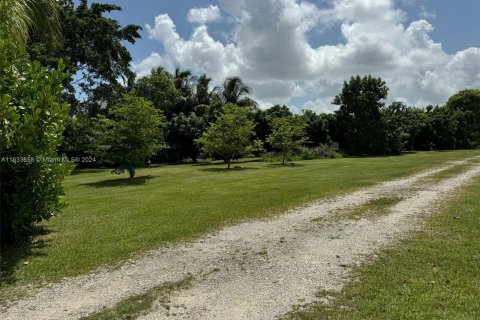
[
  {"x": 288, "y": 134},
  {"x": 230, "y": 136},
  {"x": 131, "y": 134}
]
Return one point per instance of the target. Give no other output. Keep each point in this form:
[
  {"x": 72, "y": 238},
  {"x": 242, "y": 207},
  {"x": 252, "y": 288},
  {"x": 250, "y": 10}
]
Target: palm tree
[
  {"x": 183, "y": 82},
  {"x": 235, "y": 91},
  {"x": 21, "y": 18},
  {"x": 203, "y": 94}
]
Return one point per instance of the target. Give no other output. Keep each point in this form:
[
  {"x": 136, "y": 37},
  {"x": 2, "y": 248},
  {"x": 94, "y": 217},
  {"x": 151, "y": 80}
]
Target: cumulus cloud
[
  {"x": 144, "y": 67},
  {"x": 271, "y": 51},
  {"x": 204, "y": 15}
]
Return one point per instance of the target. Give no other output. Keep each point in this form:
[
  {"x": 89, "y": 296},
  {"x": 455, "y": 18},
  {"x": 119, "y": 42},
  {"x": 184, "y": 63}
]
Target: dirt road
[{"x": 258, "y": 269}]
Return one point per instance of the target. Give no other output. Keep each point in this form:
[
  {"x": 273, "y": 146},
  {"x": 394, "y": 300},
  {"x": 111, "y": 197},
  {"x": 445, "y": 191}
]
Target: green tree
[
  {"x": 264, "y": 119},
  {"x": 359, "y": 117},
  {"x": 403, "y": 126},
  {"x": 92, "y": 48},
  {"x": 159, "y": 88},
  {"x": 183, "y": 132},
  {"x": 20, "y": 18},
  {"x": 235, "y": 91},
  {"x": 441, "y": 128},
  {"x": 288, "y": 135},
  {"x": 465, "y": 105},
  {"x": 203, "y": 94},
  {"x": 131, "y": 134},
  {"x": 230, "y": 137},
  {"x": 318, "y": 127}
]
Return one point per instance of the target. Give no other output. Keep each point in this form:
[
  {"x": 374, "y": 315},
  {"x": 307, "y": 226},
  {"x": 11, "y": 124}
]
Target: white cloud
[
  {"x": 204, "y": 15},
  {"x": 271, "y": 52},
  {"x": 154, "y": 60},
  {"x": 425, "y": 14}
]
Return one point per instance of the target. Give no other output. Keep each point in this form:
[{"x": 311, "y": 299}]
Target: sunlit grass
[
  {"x": 433, "y": 275},
  {"x": 109, "y": 218}
]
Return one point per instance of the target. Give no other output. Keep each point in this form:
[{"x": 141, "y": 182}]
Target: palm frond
[{"x": 21, "y": 18}]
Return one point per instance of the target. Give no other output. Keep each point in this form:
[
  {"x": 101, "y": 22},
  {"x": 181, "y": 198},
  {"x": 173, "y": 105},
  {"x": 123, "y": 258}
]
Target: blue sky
[{"x": 299, "y": 52}]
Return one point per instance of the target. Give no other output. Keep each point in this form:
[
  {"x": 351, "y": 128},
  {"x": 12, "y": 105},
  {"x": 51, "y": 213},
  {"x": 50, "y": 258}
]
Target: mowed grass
[
  {"x": 110, "y": 219},
  {"x": 433, "y": 275}
]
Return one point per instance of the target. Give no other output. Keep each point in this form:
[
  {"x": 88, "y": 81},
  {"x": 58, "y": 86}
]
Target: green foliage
[
  {"x": 320, "y": 152},
  {"x": 20, "y": 18},
  {"x": 183, "y": 132},
  {"x": 321, "y": 128},
  {"x": 264, "y": 118},
  {"x": 466, "y": 107},
  {"x": 359, "y": 117},
  {"x": 288, "y": 134},
  {"x": 131, "y": 134},
  {"x": 159, "y": 88},
  {"x": 32, "y": 123},
  {"x": 442, "y": 127},
  {"x": 403, "y": 126},
  {"x": 235, "y": 91},
  {"x": 230, "y": 137},
  {"x": 94, "y": 55}
]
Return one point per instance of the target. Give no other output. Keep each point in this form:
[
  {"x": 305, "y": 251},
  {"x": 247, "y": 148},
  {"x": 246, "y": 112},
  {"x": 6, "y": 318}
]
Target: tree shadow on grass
[
  {"x": 18, "y": 256},
  {"x": 227, "y": 170},
  {"x": 77, "y": 172},
  {"x": 121, "y": 182},
  {"x": 285, "y": 165},
  {"x": 219, "y": 162}
]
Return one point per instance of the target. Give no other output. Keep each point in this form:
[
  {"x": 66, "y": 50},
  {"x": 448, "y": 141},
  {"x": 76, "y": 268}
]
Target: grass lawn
[
  {"x": 110, "y": 218},
  {"x": 433, "y": 275}
]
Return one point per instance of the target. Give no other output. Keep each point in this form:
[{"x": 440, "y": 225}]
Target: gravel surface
[{"x": 254, "y": 270}]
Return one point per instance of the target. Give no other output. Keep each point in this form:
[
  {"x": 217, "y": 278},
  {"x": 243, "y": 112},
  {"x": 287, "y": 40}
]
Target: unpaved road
[{"x": 254, "y": 270}]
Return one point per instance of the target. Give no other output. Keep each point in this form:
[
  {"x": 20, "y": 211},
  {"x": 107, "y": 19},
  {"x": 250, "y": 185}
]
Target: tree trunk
[
  {"x": 283, "y": 159},
  {"x": 228, "y": 164},
  {"x": 131, "y": 173}
]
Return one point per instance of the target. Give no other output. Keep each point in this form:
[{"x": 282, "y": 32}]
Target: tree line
[{"x": 66, "y": 88}]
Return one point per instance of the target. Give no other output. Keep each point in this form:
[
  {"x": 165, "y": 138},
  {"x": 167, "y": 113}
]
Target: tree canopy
[
  {"x": 230, "y": 137},
  {"x": 131, "y": 134},
  {"x": 359, "y": 117}
]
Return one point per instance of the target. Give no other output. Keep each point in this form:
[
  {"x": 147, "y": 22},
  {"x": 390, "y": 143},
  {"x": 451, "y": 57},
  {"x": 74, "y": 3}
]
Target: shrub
[
  {"x": 33, "y": 121},
  {"x": 320, "y": 152}
]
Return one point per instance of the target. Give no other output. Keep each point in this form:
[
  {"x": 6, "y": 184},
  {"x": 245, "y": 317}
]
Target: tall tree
[
  {"x": 359, "y": 116},
  {"x": 94, "y": 54},
  {"x": 183, "y": 132},
  {"x": 203, "y": 94},
  {"x": 465, "y": 105},
  {"x": 318, "y": 128},
  {"x": 21, "y": 18},
  {"x": 235, "y": 91},
  {"x": 159, "y": 88}
]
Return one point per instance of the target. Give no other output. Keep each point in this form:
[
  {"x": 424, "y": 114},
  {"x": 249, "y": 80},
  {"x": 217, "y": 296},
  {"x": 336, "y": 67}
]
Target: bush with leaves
[
  {"x": 31, "y": 130},
  {"x": 230, "y": 137},
  {"x": 130, "y": 135}
]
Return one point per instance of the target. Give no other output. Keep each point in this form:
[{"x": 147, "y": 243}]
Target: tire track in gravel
[{"x": 263, "y": 267}]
